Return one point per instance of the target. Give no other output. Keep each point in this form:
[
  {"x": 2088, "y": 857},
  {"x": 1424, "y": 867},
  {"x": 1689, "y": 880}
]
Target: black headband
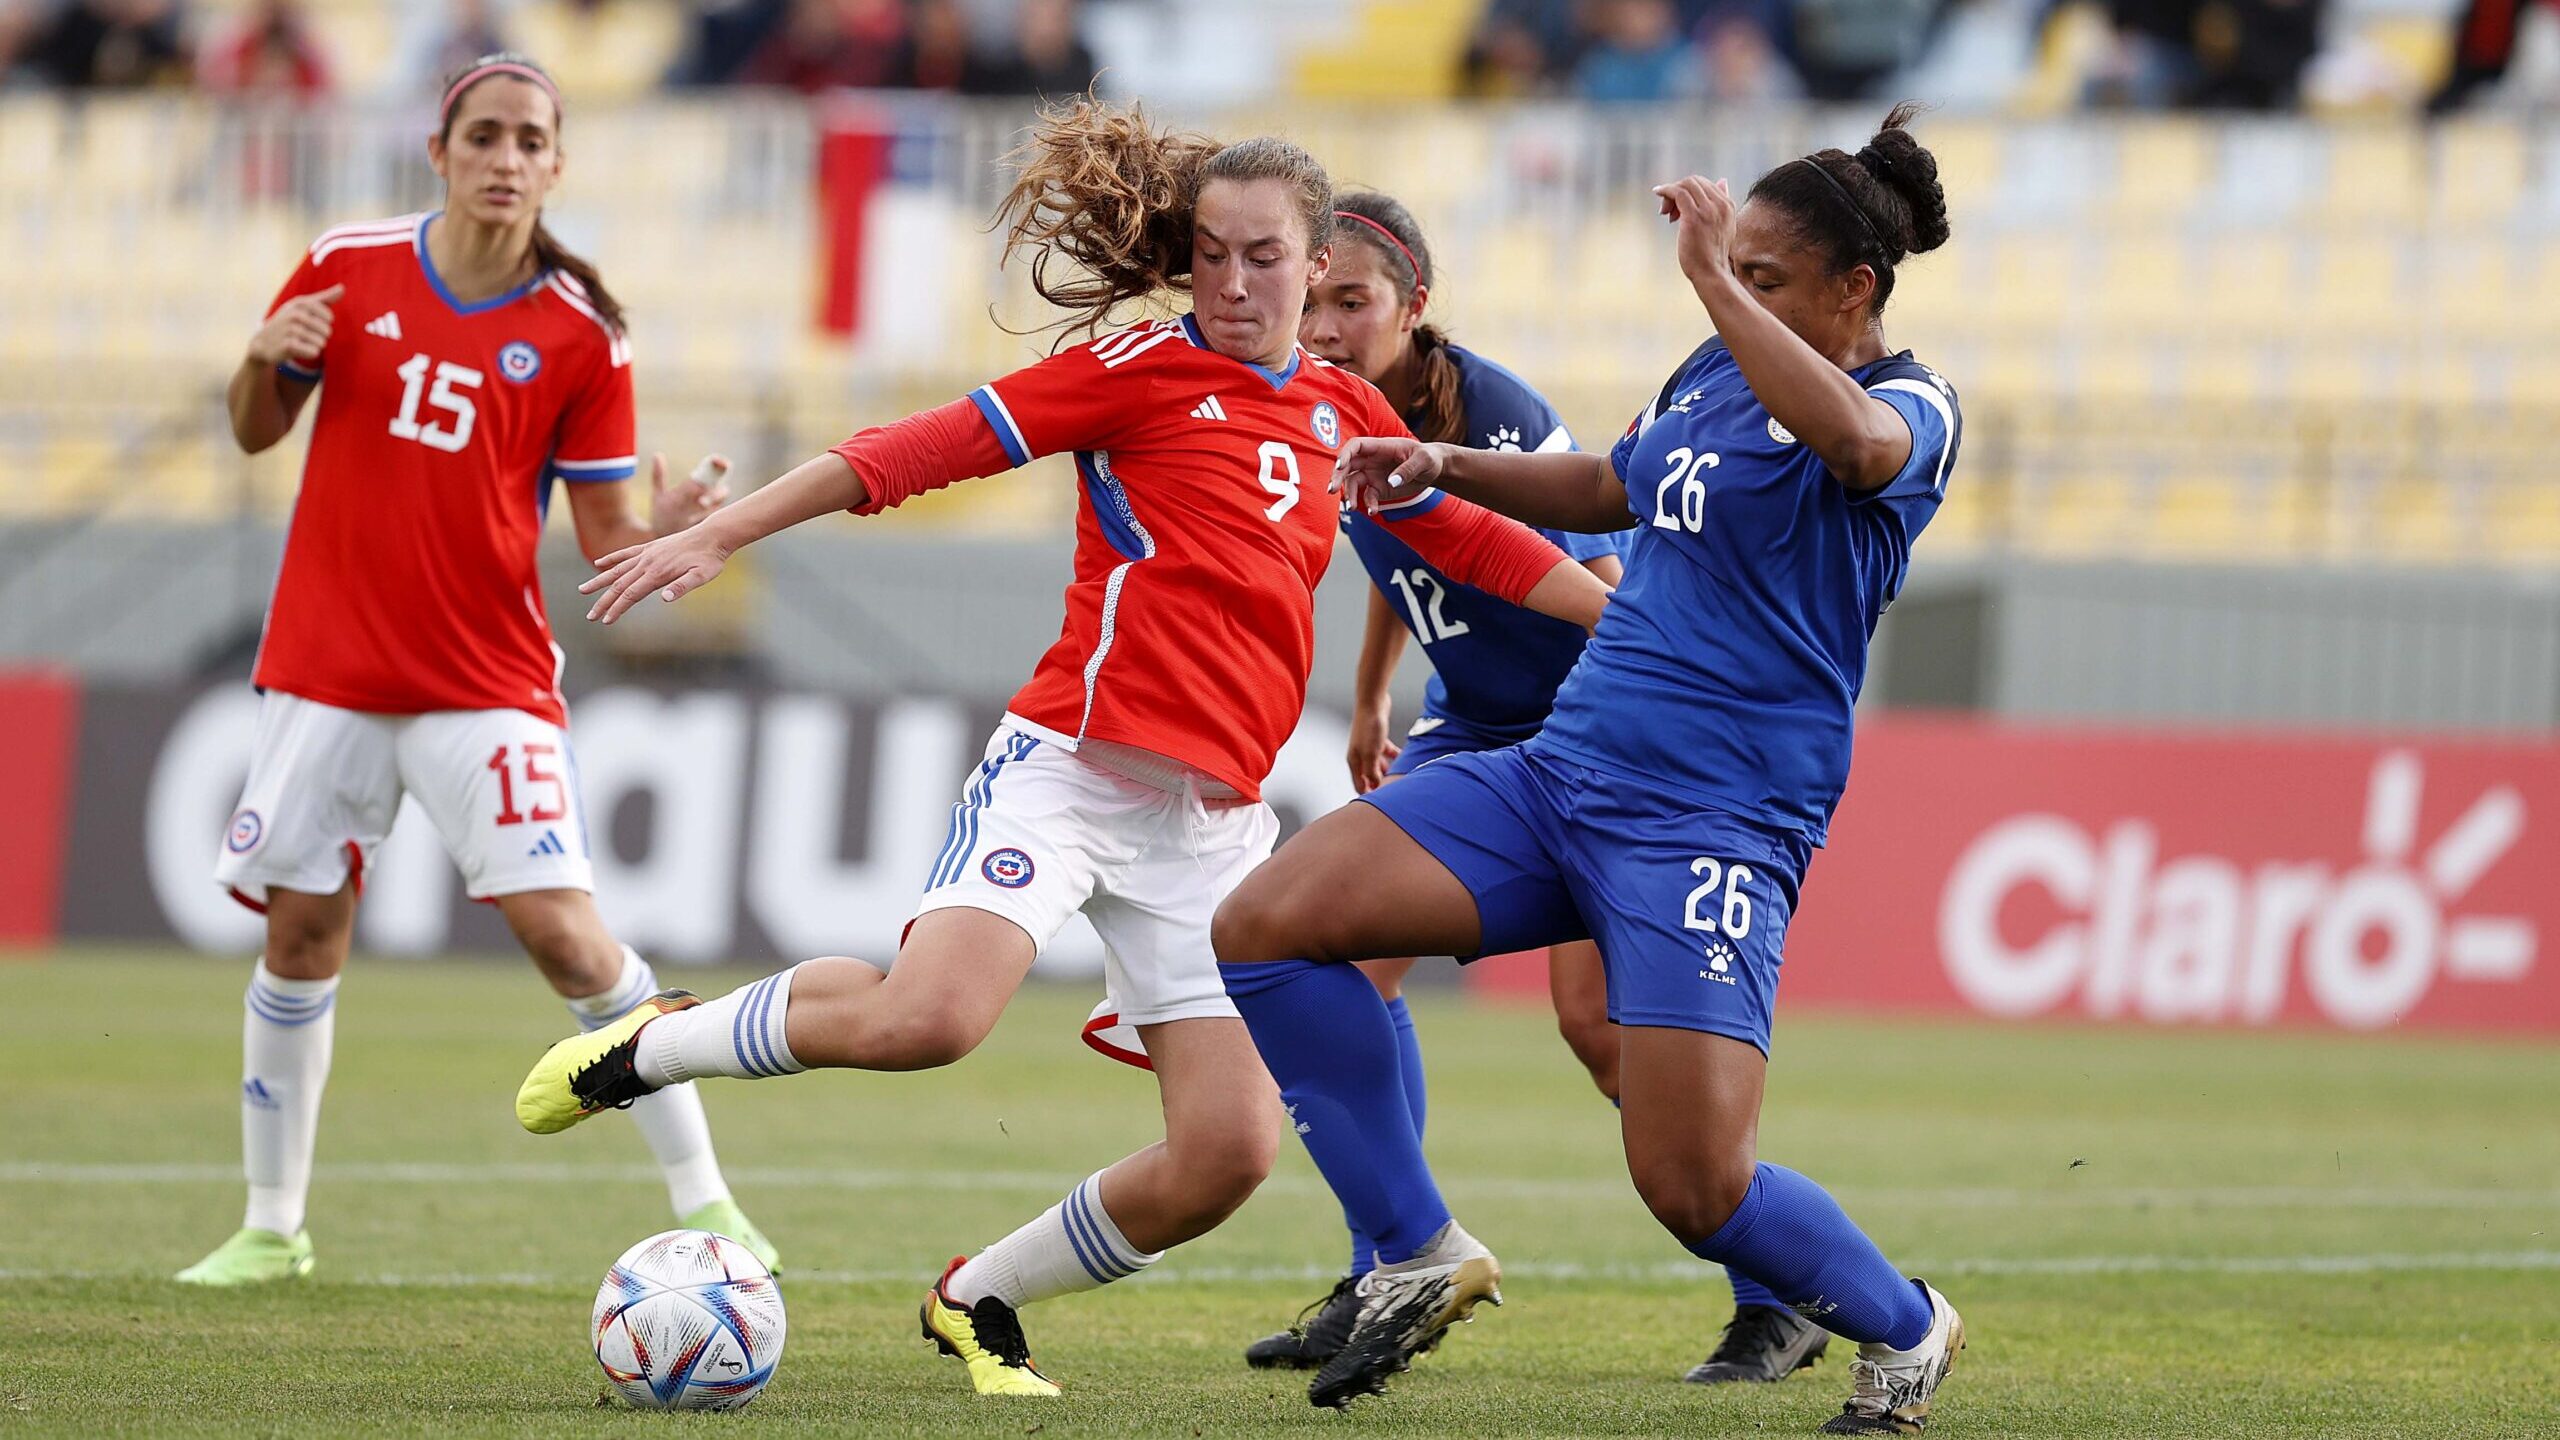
[{"x": 1882, "y": 250}]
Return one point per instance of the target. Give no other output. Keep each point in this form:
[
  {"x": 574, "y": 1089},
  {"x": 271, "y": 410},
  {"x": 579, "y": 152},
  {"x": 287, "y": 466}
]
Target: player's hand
[
  {"x": 298, "y": 331},
  {"x": 673, "y": 565},
  {"x": 1372, "y": 748},
  {"x": 681, "y": 507},
  {"x": 1377, "y": 470},
  {"x": 1704, "y": 211}
]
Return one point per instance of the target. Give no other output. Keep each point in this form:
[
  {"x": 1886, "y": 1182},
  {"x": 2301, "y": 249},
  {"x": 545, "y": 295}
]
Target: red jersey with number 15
[{"x": 409, "y": 580}]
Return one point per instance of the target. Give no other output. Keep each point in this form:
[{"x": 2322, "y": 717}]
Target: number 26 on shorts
[{"x": 1718, "y": 904}]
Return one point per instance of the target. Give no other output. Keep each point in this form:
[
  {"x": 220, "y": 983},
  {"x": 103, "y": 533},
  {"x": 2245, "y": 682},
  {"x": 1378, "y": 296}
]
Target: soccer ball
[{"x": 688, "y": 1320}]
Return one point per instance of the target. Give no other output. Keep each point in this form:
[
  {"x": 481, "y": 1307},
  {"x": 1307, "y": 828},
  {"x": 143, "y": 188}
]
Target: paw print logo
[
  {"x": 1504, "y": 437},
  {"x": 1720, "y": 959}
]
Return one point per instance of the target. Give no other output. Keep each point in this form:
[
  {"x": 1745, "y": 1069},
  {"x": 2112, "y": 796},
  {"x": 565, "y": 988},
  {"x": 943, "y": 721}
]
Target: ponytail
[
  {"x": 550, "y": 254},
  {"x": 1436, "y": 415},
  {"x": 1102, "y": 190}
]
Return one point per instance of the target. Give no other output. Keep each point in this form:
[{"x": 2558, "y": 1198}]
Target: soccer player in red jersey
[
  {"x": 1126, "y": 780},
  {"x": 406, "y": 650}
]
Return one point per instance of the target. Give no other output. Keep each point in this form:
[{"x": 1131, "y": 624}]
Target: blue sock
[
  {"x": 1409, "y": 1061},
  {"x": 1747, "y": 1291},
  {"x": 1324, "y": 1031},
  {"x": 1364, "y": 1251},
  {"x": 1790, "y": 1235}
]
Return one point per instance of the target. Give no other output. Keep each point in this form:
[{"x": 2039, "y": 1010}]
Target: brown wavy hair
[
  {"x": 548, "y": 252},
  {"x": 1103, "y": 201},
  {"x": 1435, "y": 413}
]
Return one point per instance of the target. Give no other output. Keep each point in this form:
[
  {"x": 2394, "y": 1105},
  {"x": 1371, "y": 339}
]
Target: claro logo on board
[{"x": 2040, "y": 913}]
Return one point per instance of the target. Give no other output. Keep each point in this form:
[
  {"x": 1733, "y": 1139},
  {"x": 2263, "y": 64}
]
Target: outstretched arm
[
  {"x": 873, "y": 471},
  {"x": 1559, "y": 490},
  {"x": 1500, "y": 556}
]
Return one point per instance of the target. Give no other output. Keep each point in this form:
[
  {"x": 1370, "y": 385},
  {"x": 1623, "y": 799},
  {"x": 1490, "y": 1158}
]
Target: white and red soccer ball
[{"x": 688, "y": 1320}]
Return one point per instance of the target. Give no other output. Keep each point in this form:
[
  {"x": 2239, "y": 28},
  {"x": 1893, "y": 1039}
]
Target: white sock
[
  {"x": 671, "y": 1120},
  {"x": 738, "y": 1035},
  {"x": 284, "y": 1065},
  {"x": 1073, "y": 1246}
]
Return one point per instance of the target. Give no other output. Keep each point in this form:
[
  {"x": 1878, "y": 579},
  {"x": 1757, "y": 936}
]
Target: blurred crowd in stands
[
  {"x": 2216, "y": 54},
  {"x": 2204, "y": 54},
  {"x": 972, "y": 47}
]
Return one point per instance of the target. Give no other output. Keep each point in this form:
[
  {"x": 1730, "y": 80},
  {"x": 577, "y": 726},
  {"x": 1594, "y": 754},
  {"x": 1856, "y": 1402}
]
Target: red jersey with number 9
[
  {"x": 1205, "y": 525},
  {"x": 409, "y": 580}
]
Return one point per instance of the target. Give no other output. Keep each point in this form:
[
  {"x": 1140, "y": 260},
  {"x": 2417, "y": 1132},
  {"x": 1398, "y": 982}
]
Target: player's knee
[
  {"x": 575, "y": 955},
  {"x": 1220, "y": 1171},
  {"x": 1276, "y": 918},
  {"x": 1596, "y": 1046},
  {"x": 918, "y": 1039},
  {"x": 1693, "y": 1198},
  {"x": 304, "y": 952}
]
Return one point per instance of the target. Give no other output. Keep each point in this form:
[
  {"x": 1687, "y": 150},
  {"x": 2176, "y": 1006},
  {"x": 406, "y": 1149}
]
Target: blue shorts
[
  {"x": 1689, "y": 905},
  {"x": 1435, "y": 736}
]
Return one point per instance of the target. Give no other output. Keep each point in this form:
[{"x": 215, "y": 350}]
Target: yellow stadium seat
[
  {"x": 2417, "y": 519},
  {"x": 2163, "y": 166},
  {"x": 2143, "y": 282},
  {"x": 2479, "y": 171},
  {"x": 2199, "y": 516},
  {"x": 2356, "y": 283},
  {"x": 2520, "y": 520},
  {"x": 2249, "y": 281},
  {"x": 1968, "y": 155},
  {"x": 2376, "y": 172}
]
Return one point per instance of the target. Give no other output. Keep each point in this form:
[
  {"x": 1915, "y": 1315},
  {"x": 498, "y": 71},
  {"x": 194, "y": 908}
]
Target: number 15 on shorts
[{"x": 1720, "y": 908}]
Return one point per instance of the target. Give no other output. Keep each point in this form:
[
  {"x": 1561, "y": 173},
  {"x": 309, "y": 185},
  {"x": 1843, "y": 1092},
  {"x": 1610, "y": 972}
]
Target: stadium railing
[{"x": 2267, "y": 339}]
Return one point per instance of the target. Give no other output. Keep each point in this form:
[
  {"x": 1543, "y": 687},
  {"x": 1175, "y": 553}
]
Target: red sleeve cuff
[
  {"x": 1474, "y": 546},
  {"x": 926, "y": 451}
]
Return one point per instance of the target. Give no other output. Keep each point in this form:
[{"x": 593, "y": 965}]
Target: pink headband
[
  {"x": 1418, "y": 276},
  {"x": 470, "y": 77}
]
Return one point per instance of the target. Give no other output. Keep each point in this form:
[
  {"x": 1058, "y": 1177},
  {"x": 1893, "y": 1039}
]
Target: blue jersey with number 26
[{"x": 1729, "y": 661}]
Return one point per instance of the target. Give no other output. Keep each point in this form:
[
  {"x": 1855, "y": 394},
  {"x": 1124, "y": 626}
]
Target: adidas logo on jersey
[
  {"x": 386, "y": 325},
  {"x": 1209, "y": 409},
  {"x": 550, "y": 845}
]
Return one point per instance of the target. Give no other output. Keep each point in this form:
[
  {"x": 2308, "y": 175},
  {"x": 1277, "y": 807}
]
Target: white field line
[
  {"x": 2066, "y": 1196},
  {"x": 1663, "y": 1272}
]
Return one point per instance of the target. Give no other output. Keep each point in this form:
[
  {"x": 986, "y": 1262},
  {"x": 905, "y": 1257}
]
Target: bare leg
[
  {"x": 1580, "y": 989},
  {"x": 954, "y": 976},
  {"x": 1221, "y": 1132}
]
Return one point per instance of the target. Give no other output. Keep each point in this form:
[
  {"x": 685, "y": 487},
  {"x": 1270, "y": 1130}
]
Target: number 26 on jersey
[{"x": 1680, "y": 501}]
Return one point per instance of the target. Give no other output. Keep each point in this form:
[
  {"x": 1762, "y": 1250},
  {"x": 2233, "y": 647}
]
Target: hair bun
[{"x": 1902, "y": 164}]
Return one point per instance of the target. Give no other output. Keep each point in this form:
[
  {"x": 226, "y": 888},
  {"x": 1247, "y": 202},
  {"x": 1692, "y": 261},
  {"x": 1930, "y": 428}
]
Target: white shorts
[
  {"x": 325, "y": 784},
  {"x": 1040, "y": 834}
]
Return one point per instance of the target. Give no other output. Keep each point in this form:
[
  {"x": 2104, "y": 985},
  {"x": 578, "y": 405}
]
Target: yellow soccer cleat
[
  {"x": 987, "y": 1337},
  {"x": 591, "y": 1073},
  {"x": 253, "y": 1257},
  {"x": 723, "y": 1217}
]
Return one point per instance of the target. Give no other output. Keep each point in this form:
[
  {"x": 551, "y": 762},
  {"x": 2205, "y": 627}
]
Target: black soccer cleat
[
  {"x": 1317, "y": 1336},
  {"x": 1762, "y": 1344},
  {"x": 1404, "y": 1309}
]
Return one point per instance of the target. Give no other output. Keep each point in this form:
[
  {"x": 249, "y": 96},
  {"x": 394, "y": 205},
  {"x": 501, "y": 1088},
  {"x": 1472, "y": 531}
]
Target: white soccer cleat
[
  {"x": 1404, "y": 1310},
  {"x": 1891, "y": 1389}
]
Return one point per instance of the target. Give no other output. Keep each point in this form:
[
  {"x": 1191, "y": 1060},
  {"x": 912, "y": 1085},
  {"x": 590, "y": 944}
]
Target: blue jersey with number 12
[
  {"x": 1494, "y": 666},
  {"x": 1727, "y": 666}
]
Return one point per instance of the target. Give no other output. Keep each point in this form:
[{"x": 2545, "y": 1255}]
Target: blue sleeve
[{"x": 1930, "y": 411}]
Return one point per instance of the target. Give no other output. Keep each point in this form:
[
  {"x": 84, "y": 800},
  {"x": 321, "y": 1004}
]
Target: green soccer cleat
[
  {"x": 253, "y": 1257},
  {"x": 591, "y": 1073},
  {"x": 723, "y": 1217}
]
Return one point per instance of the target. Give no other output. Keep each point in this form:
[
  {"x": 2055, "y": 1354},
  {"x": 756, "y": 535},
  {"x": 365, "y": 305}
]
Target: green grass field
[{"x": 2149, "y": 1234}]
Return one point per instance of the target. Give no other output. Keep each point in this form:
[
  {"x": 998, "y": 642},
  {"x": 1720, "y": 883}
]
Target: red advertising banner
[
  {"x": 40, "y": 714},
  {"x": 2260, "y": 879}
]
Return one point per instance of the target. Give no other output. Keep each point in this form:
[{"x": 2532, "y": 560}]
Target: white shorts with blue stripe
[{"x": 1040, "y": 833}]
